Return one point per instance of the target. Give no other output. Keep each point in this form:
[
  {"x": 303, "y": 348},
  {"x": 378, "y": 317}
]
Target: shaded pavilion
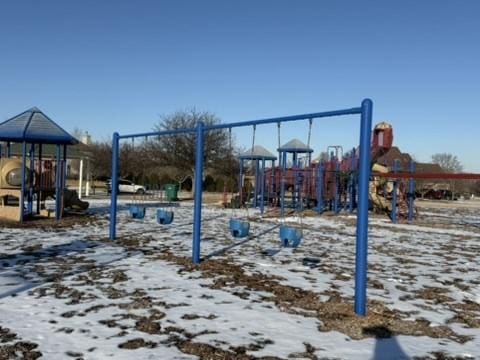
[
  {"x": 295, "y": 147},
  {"x": 258, "y": 156},
  {"x": 32, "y": 177}
]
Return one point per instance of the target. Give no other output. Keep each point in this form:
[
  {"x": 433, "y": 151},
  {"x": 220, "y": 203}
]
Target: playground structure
[
  {"x": 26, "y": 182},
  {"x": 331, "y": 184},
  {"x": 365, "y": 112},
  {"x": 358, "y": 180}
]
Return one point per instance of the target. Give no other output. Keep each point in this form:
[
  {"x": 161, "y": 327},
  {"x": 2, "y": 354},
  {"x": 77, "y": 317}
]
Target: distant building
[{"x": 433, "y": 189}]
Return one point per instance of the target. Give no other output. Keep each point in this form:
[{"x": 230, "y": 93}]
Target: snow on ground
[{"x": 74, "y": 294}]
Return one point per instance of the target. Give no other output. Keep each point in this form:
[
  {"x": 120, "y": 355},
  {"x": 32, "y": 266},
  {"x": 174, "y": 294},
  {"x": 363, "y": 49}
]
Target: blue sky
[{"x": 107, "y": 66}]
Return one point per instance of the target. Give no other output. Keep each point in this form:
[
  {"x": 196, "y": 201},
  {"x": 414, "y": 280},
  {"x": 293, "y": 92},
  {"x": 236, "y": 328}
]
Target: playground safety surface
[{"x": 68, "y": 292}]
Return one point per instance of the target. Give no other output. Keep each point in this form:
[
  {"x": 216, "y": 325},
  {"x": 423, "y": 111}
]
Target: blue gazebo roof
[
  {"x": 295, "y": 146},
  {"x": 257, "y": 153},
  {"x": 33, "y": 126}
]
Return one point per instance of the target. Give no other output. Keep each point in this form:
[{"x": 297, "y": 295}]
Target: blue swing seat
[
  {"x": 239, "y": 228},
  {"x": 136, "y": 211},
  {"x": 290, "y": 236},
  {"x": 164, "y": 217}
]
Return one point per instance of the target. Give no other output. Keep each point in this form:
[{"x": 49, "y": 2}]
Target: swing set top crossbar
[{"x": 317, "y": 115}]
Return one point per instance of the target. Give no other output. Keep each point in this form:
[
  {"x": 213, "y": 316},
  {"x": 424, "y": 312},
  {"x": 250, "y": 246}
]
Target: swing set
[{"x": 289, "y": 235}]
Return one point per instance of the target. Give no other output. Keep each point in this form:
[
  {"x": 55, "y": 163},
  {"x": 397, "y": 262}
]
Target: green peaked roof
[
  {"x": 33, "y": 126},
  {"x": 296, "y": 146},
  {"x": 258, "y": 152}
]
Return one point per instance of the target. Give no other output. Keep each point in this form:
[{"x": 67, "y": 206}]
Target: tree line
[{"x": 157, "y": 160}]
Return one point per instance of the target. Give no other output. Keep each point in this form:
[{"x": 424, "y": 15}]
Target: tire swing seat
[
  {"x": 164, "y": 217},
  {"x": 239, "y": 228},
  {"x": 290, "y": 236},
  {"x": 137, "y": 212}
]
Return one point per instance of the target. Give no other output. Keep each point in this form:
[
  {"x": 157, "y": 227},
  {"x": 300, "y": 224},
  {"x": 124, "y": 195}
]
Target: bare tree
[
  {"x": 448, "y": 162},
  {"x": 101, "y": 159},
  {"x": 475, "y": 187},
  {"x": 324, "y": 156},
  {"x": 78, "y": 133},
  {"x": 179, "y": 150},
  {"x": 173, "y": 173}
]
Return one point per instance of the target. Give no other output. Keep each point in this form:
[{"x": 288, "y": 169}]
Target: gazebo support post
[
  {"x": 31, "y": 173},
  {"x": 262, "y": 175},
  {"x": 64, "y": 177},
  {"x": 39, "y": 182},
  {"x": 58, "y": 200},
  {"x": 22, "y": 188}
]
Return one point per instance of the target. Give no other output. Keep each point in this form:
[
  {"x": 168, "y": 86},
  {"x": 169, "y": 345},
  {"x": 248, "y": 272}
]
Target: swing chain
[
  {"x": 232, "y": 168},
  {"x": 301, "y": 213},
  {"x": 253, "y": 140},
  {"x": 310, "y": 121},
  {"x": 278, "y": 126}
]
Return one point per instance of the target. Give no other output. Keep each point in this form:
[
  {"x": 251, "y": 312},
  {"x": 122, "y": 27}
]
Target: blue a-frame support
[{"x": 365, "y": 112}]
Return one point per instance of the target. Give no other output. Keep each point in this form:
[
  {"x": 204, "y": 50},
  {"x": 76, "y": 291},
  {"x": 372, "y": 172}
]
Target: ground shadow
[
  {"x": 156, "y": 228},
  {"x": 203, "y": 220},
  {"x": 29, "y": 269},
  {"x": 386, "y": 345},
  {"x": 125, "y": 206},
  {"x": 222, "y": 251}
]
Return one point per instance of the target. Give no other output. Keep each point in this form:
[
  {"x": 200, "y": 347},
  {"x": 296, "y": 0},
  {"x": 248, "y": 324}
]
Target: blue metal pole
[
  {"x": 362, "y": 218},
  {"x": 320, "y": 185},
  {"x": 336, "y": 202},
  {"x": 22, "y": 192},
  {"x": 240, "y": 185},
  {"x": 272, "y": 185},
  {"x": 197, "y": 211},
  {"x": 39, "y": 192},
  {"x": 282, "y": 184},
  {"x": 257, "y": 183},
  {"x": 58, "y": 195},
  {"x": 40, "y": 169},
  {"x": 317, "y": 187},
  {"x": 394, "y": 195},
  {"x": 284, "y": 119},
  {"x": 114, "y": 184},
  {"x": 411, "y": 193},
  {"x": 324, "y": 114},
  {"x": 262, "y": 175},
  {"x": 30, "y": 178},
  {"x": 63, "y": 179},
  {"x": 9, "y": 149},
  {"x": 295, "y": 183}
]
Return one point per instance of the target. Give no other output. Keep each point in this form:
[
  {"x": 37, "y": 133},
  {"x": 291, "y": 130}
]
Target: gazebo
[
  {"x": 32, "y": 178},
  {"x": 258, "y": 155},
  {"x": 294, "y": 147}
]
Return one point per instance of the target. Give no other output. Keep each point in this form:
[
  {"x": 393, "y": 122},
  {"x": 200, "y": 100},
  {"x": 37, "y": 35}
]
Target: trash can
[{"x": 171, "y": 192}]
